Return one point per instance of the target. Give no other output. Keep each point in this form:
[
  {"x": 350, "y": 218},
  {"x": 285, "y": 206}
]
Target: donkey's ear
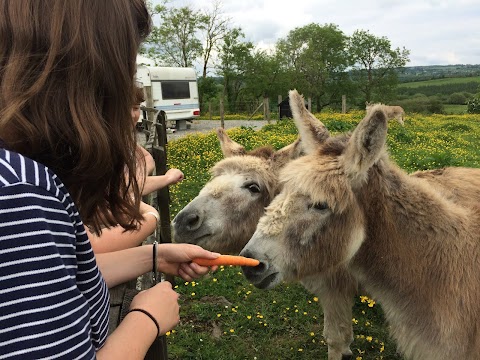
[
  {"x": 292, "y": 151},
  {"x": 229, "y": 147},
  {"x": 367, "y": 144},
  {"x": 287, "y": 153},
  {"x": 311, "y": 130}
]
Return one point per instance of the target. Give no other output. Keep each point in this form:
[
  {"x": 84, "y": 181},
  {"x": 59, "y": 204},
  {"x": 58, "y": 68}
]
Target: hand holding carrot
[{"x": 176, "y": 259}]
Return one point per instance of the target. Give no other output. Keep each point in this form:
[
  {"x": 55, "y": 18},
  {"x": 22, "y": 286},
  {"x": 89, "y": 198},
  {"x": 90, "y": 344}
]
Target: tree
[
  {"x": 375, "y": 64},
  {"x": 473, "y": 105},
  {"x": 216, "y": 28},
  {"x": 234, "y": 58},
  {"x": 175, "y": 41},
  {"x": 317, "y": 56},
  {"x": 457, "y": 98},
  {"x": 208, "y": 89},
  {"x": 153, "y": 11},
  {"x": 264, "y": 76}
]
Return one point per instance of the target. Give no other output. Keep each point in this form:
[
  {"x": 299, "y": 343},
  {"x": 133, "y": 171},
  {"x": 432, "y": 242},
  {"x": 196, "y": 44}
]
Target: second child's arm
[{"x": 116, "y": 238}]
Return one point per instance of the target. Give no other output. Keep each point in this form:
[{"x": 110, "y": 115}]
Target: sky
[{"x": 436, "y": 32}]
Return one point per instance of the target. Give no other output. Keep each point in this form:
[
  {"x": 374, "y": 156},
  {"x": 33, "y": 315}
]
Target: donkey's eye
[
  {"x": 253, "y": 188},
  {"x": 319, "y": 206}
]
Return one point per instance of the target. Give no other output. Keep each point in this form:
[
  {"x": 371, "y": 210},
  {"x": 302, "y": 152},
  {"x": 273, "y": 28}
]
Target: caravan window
[{"x": 175, "y": 90}]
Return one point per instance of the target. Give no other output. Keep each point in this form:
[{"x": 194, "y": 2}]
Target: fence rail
[{"x": 251, "y": 108}]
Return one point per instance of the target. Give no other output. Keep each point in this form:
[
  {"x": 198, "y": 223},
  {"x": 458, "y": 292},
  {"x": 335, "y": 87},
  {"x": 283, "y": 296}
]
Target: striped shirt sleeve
[{"x": 53, "y": 300}]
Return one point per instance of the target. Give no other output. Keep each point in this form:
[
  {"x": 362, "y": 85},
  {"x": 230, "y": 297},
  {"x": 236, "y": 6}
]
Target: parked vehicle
[{"x": 173, "y": 90}]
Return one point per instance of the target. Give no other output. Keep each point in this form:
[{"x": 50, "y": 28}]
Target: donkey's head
[
  {"x": 371, "y": 105},
  {"x": 316, "y": 223},
  {"x": 225, "y": 213}
]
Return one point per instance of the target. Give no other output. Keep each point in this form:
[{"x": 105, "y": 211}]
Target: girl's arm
[
  {"x": 137, "y": 331},
  {"x": 174, "y": 259},
  {"x": 116, "y": 238},
  {"x": 134, "y": 335},
  {"x": 130, "y": 340},
  {"x": 121, "y": 266},
  {"x": 153, "y": 183},
  {"x": 145, "y": 166},
  {"x": 149, "y": 162}
]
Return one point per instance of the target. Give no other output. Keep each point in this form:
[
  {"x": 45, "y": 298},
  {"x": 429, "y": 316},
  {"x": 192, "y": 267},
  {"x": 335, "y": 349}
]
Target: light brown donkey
[
  {"x": 225, "y": 214},
  {"x": 412, "y": 241},
  {"x": 392, "y": 111}
]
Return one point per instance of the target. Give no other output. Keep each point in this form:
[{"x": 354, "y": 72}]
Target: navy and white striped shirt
[{"x": 53, "y": 299}]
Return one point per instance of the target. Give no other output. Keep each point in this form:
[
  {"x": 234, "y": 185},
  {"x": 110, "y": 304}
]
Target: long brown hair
[
  {"x": 139, "y": 96},
  {"x": 66, "y": 85}
]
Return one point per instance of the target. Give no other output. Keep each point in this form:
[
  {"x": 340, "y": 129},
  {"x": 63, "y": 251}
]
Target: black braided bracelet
[{"x": 150, "y": 316}]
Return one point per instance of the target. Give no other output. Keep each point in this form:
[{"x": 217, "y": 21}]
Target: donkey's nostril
[
  {"x": 252, "y": 271},
  {"x": 187, "y": 221},
  {"x": 192, "y": 221},
  {"x": 261, "y": 267}
]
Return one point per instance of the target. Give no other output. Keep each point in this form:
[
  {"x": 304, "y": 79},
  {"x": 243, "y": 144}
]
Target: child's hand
[
  {"x": 174, "y": 176},
  {"x": 176, "y": 259},
  {"x": 161, "y": 301}
]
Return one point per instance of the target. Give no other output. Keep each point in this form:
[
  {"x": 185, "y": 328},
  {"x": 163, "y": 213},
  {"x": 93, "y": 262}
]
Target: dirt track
[
  {"x": 209, "y": 125},
  {"x": 203, "y": 126}
]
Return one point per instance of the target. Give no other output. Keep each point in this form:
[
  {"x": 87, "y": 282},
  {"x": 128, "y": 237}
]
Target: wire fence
[{"x": 262, "y": 108}]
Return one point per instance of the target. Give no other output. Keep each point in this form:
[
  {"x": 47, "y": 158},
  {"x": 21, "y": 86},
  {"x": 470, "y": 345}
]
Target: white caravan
[{"x": 174, "y": 90}]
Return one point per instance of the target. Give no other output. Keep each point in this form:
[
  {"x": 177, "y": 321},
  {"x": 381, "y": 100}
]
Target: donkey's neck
[
  {"x": 418, "y": 247},
  {"x": 408, "y": 211},
  {"x": 408, "y": 222}
]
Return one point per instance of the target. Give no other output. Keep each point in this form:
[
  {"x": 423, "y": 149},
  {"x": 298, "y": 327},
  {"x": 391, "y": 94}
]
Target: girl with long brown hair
[{"x": 66, "y": 83}]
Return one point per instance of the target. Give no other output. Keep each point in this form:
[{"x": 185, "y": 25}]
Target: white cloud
[{"x": 435, "y": 31}]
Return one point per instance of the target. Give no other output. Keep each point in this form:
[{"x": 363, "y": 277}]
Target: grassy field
[
  {"x": 225, "y": 317},
  {"x": 451, "y": 109},
  {"x": 437, "y": 82}
]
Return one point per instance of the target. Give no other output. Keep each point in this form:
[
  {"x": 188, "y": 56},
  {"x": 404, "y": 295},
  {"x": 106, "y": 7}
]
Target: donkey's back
[{"x": 458, "y": 184}]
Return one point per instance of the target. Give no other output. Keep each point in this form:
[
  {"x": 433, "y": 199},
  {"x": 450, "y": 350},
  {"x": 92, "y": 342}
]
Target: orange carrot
[{"x": 227, "y": 260}]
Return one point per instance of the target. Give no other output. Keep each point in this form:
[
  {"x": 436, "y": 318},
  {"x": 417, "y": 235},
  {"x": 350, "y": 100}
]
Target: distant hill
[
  {"x": 423, "y": 73},
  {"x": 443, "y": 86},
  {"x": 442, "y": 81},
  {"x": 438, "y": 89}
]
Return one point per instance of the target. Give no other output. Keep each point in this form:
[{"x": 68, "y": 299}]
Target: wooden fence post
[
  {"x": 149, "y": 104},
  {"x": 163, "y": 194},
  {"x": 279, "y": 100},
  {"x": 222, "y": 114},
  {"x": 309, "y": 104},
  {"x": 266, "y": 109},
  {"x": 158, "y": 350},
  {"x": 344, "y": 104}
]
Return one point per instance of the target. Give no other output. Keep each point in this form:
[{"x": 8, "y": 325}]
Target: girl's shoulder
[{"x": 18, "y": 169}]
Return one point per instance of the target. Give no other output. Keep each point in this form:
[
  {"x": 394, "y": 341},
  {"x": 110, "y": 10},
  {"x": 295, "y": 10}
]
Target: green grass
[
  {"x": 451, "y": 109},
  {"x": 437, "y": 82},
  {"x": 225, "y": 317}
]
